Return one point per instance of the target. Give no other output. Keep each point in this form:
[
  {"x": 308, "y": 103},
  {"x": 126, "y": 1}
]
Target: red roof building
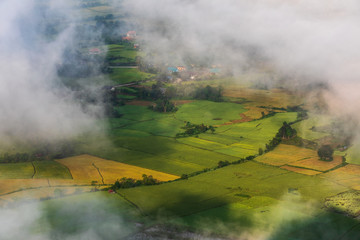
[
  {"x": 130, "y": 35},
  {"x": 94, "y": 51}
]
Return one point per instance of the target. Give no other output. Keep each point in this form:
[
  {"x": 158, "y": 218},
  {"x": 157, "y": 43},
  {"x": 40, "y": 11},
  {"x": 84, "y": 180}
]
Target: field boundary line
[
  {"x": 205, "y": 149},
  {"x": 59, "y": 186},
  {"x": 127, "y": 148},
  {"x": 305, "y": 168},
  {"x": 32, "y": 163},
  {"x": 132, "y": 203},
  {"x": 66, "y": 168},
  {"x": 102, "y": 178},
  {"x": 348, "y": 231}
]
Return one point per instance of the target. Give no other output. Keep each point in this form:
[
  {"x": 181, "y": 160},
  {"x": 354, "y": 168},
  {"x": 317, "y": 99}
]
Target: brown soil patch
[
  {"x": 244, "y": 118},
  {"x": 255, "y": 112},
  {"x": 181, "y": 102},
  {"x": 139, "y": 103}
]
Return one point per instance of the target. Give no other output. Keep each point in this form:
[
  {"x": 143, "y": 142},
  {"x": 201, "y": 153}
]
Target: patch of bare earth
[
  {"x": 244, "y": 118},
  {"x": 139, "y": 103},
  {"x": 181, "y": 102}
]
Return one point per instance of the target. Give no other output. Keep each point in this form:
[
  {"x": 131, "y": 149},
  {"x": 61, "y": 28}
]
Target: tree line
[
  {"x": 45, "y": 152},
  {"x": 131, "y": 182},
  {"x": 195, "y": 129}
]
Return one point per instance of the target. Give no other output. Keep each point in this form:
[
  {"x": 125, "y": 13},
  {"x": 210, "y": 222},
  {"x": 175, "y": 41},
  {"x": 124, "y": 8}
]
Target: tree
[
  {"x": 325, "y": 153},
  {"x": 195, "y": 129},
  {"x": 286, "y": 131},
  {"x": 261, "y": 151},
  {"x": 209, "y": 93},
  {"x": 223, "y": 163},
  {"x": 164, "y": 105},
  {"x": 184, "y": 176}
]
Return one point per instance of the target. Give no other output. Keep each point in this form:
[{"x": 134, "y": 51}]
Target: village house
[
  {"x": 181, "y": 69},
  {"x": 172, "y": 69},
  {"x": 130, "y": 35},
  {"x": 94, "y": 51}
]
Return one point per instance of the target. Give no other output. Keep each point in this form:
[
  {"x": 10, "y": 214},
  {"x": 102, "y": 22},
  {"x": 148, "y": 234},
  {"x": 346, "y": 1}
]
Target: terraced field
[
  {"x": 119, "y": 55},
  {"x": 126, "y": 75}
]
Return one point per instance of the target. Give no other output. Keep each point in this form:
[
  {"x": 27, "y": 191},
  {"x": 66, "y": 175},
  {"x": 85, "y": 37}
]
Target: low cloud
[
  {"x": 304, "y": 41},
  {"x": 92, "y": 218},
  {"x": 33, "y": 102}
]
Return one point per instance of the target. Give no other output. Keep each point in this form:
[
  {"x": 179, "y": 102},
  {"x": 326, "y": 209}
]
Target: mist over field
[
  {"x": 302, "y": 45},
  {"x": 305, "y": 41},
  {"x": 302, "y": 40},
  {"x": 34, "y": 105}
]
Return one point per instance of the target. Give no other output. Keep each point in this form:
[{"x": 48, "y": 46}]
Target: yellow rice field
[
  {"x": 316, "y": 164},
  {"x": 348, "y": 175},
  {"x": 255, "y": 112},
  {"x": 81, "y": 168},
  {"x": 273, "y": 97},
  {"x": 86, "y": 168},
  {"x": 11, "y": 185},
  {"x": 286, "y": 154}
]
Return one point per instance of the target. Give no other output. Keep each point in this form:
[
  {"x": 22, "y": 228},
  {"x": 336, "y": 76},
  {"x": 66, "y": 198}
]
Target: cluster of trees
[
  {"x": 18, "y": 157},
  {"x": 161, "y": 94},
  {"x": 130, "y": 182},
  {"x": 160, "y": 90},
  {"x": 78, "y": 65},
  {"x": 301, "y": 113},
  {"x": 285, "y": 132},
  {"x": 109, "y": 29},
  {"x": 209, "y": 93},
  {"x": 157, "y": 91},
  {"x": 44, "y": 152},
  {"x": 149, "y": 67},
  {"x": 195, "y": 129},
  {"x": 164, "y": 105},
  {"x": 325, "y": 152},
  {"x": 223, "y": 163},
  {"x": 220, "y": 165},
  {"x": 111, "y": 102}
]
